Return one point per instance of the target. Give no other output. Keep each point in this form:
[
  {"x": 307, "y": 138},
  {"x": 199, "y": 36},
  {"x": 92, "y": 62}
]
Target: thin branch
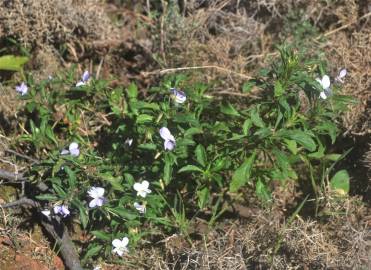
[
  {"x": 14, "y": 177},
  {"x": 67, "y": 249},
  {"x": 20, "y": 202},
  {"x": 173, "y": 70},
  {"x": 19, "y": 178},
  {"x": 34, "y": 161},
  {"x": 58, "y": 231}
]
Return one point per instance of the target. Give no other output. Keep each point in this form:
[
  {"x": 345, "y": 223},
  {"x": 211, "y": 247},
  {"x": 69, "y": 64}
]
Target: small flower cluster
[{"x": 325, "y": 83}]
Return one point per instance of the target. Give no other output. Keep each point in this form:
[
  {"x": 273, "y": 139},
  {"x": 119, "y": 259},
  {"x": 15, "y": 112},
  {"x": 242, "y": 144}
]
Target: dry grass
[{"x": 339, "y": 241}]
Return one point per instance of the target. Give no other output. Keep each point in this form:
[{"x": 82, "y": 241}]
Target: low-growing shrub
[{"x": 124, "y": 163}]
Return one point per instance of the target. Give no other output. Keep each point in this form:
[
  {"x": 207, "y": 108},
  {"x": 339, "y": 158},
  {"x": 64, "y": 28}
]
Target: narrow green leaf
[
  {"x": 228, "y": 109},
  {"x": 190, "y": 168},
  {"x": 101, "y": 235},
  {"x": 201, "y": 155},
  {"x": 256, "y": 119},
  {"x": 262, "y": 191},
  {"x": 132, "y": 91},
  {"x": 278, "y": 89},
  {"x": 242, "y": 174}
]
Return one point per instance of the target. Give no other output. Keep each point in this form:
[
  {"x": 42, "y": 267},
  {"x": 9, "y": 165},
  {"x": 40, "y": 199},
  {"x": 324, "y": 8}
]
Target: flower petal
[
  {"x": 145, "y": 184},
  {"x": 325, "y": 82},
  {"x": 323, "y": 95},
  {"x": 85, "y": 77},
  {"x": 342, "y": 73},
  {"x": 125, "y": 241},
  {"x": 169, "y": 145},
  {"x": 93, "y": 203},
  {"x": 116, "y": 243},
  {"x": 137, "y": 187},
  {"x": 165, "y": 134}
]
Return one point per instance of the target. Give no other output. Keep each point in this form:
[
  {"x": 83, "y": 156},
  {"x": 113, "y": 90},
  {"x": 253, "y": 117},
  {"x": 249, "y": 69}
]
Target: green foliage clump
[{"x": 222, "y": 148}]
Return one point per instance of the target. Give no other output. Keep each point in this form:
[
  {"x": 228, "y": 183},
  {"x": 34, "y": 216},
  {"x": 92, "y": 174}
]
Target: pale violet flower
[
  {"x": 140, "y": 207},
  {"x": 142, "y": 188},
  {"x": 73, "y": 150},
  {"x": 84, "y": 79},
  {"x": 46, "y": 212},
  {"x": 61, "y": 210},
  {"x": 97, "y": 194},
  {"x": 169, "y": 140},
  {"x": 325, "y": 83},
  {"x": 178, "y": 96},
  {"x": 22, "y": 89},
  {"x": 120, "y": 246},
  {"x": 129, "y": 141},
  {"x": 341, "y": 75}
]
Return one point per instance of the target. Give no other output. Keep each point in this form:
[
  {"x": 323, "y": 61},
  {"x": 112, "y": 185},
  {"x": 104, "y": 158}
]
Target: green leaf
[
  {"x": 340, "y": 182},
  {"x": 116, "y": 182},
  {"x": 248, "y": 86},
  {"x": 148, "y": 146},
  {"x": 92, "y": 251},
  {"x": 332, "y": 157},
  {"x": 71, "y": 177},
  {"x": 228, "y": 109},
  {"x": 132, "y": 91},
  {"x": 12, "y": 62},
  {"x": 246, "y": 126},
  {"x": 101, "y": 235},
  {"x": 192, "y": 131},
  {"x": 242, "y": 174},
  {"x": 203, "y": 197},
  {"x": 144, "y": 118},
  {"x": 190, "y": 168},
  {"x": 122, "y": 212},
  {"x": 84, "y": 218},
  {"x": 47, "y": 197},
  {"x": 300, "y": 137},
  {"x": 256, "y": 119},
  {"x": 201, "y": 155},
  {"x": 278, "y": 89},
  {"x": 292, "y": 146},
  {"x": 262, "y": 191}
]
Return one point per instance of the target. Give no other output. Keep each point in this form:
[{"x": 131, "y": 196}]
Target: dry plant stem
[
  {"x": 173, "y": 70},
  {"x": 67, "y": 249},
  {"x": 58, "y": 231},
  {"x": 19, "y": 178}
]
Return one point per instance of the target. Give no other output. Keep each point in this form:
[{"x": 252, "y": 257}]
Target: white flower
[
  {"x": 46, "y": 212},
  {"x": 22, "y": 89},
  {"x": 129, "y": 141},
  {"x": 61, "y": 210},
  {"x": 169, "y": 140},
  {"x": 142, "y": 188},
  {"x": 341, "y": 75},
  {"x": 178, "y": 96},
  {"x": 120, "y": 246},
  {"x": 140, "y": 207},
  {"x": 73, "y": 149},
  {"x": 85, "y": 77},
  {"x": 98, "y": 267},
  {"x": 97, "y": 194},
  {"x": 325, "y": 83}
]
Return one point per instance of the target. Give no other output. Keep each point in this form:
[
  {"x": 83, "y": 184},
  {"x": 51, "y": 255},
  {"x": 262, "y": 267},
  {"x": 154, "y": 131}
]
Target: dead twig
[
  {"x": 19, "y": 179},
  {"x": 57, "y": 230},
  {"x": 173, "y": 70},
  {"x": 20, "y": 202}
]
